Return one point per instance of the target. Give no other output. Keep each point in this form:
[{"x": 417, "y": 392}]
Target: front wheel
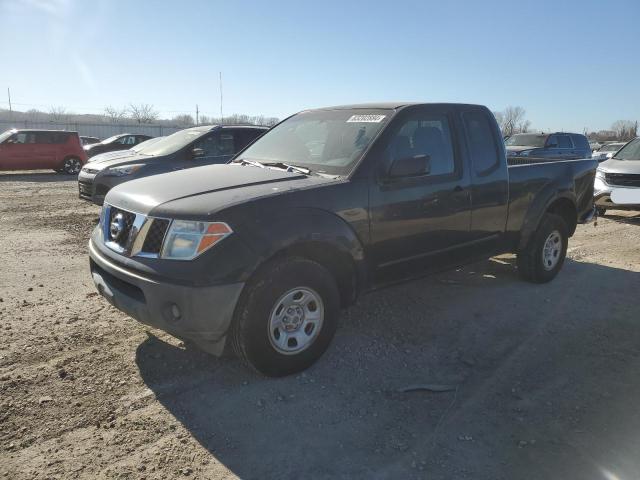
[
  {"x": 544, "y": 256},
  {"x": 71, "y": 166},
  {"x": 286, "y": 317}
]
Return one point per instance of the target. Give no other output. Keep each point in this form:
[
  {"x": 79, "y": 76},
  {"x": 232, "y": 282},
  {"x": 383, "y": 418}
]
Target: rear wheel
[
  {"x": 544, "y": 256},
  {"x": 286, "y": 317},
  {"x": 71, "y": 165}
]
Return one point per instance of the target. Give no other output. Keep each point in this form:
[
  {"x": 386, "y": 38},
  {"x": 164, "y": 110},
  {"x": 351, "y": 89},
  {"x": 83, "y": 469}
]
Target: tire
[
  {"x": 601, "y": 211},
  {"x": 71, "y": 165},
  {"x": 538, "y": 265},
  {"x": 286, "y": 317}
]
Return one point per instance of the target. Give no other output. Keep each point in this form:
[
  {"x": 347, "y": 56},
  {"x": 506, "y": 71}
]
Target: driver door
[{"x": 417, "y": 221}]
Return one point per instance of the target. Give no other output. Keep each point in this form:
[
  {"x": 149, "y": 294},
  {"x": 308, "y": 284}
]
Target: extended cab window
[
  {"x": 482, "y": 144},
  {"x": 424, "y": 134},
  {"x": 560, "y": 141}
]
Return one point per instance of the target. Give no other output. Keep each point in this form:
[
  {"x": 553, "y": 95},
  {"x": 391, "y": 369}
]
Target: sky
[{"x": 571, "y": 64}]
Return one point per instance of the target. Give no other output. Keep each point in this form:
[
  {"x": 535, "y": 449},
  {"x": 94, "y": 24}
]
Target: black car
[
  {"x": 123, "y": 141},
  {"x": 187, "y": 148},
  {"x": 328, "y": 204}
]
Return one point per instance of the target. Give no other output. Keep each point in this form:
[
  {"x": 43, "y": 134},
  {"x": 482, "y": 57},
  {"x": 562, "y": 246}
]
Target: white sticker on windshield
[{"x": 366, "y": 118}]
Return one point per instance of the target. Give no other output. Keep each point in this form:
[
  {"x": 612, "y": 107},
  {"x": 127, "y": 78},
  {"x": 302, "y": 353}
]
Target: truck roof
[{"x": 392, "y": 105}]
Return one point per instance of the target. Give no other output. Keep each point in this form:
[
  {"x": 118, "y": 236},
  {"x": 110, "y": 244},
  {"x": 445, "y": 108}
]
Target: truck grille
[
  {"x": 623, "y": 179},
  {"x": 155, "y": 236},
  {"x": 129, "y": 218},
  {"x": 133, "y": 234}
]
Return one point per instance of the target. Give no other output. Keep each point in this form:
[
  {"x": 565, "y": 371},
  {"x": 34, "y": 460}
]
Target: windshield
[
  {"x": 5, "y": 135},
  {"x": 325, "y": 141},
  {"x": 631, "y": 151},
  {"x": 613, "y": 147},
  {"x": 526, "y": 140},
  {"x": 171, "y": 143},
  {"x": 111, "y": 139},
  {"x": 145, "y": 144}
]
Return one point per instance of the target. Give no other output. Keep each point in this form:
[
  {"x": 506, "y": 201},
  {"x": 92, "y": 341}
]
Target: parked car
[
  {"x": 41, "y": 149},
  {"x": 89, "y": 140},
  {"x": 123, "y": 141},
  {"x": 328, "y": 204},
  {"x": 101, "y": 157},
  {"x": 187, "y": 148},
  {"x": 617, "y": 183},
  {"x": 595, "y": 145},
  {"x": 559, "y": 145},
  {"x": 607, "y": 151}
]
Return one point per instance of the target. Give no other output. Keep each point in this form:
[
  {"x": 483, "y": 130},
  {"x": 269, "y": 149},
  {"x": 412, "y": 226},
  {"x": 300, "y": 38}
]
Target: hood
[
  {"x": 620, "y": 166},
  {"x": 126, "y": 157},
  {"x": 101, "y": 157},
  {"x": 201, "y": 191},
  {"x": 519, "y": 148}
]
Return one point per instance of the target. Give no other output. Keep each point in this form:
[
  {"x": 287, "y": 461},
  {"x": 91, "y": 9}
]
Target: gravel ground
[{"x": 542, "y": 379}]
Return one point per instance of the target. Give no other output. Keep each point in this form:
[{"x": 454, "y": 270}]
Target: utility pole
[
  {"x": 9, "y": 95},
  {"x": 221, "y": 117},
  {"x": 197, "y": 115}
]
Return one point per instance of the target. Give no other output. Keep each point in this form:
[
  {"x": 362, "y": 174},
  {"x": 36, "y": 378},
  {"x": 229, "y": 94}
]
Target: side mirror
[
  {"x": 197, "y": 152},
  {"x": 415, "y": 166}
]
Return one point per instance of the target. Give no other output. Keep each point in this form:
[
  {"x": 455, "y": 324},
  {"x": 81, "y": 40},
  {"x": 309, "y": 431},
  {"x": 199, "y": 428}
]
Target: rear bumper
[{"x": 200, "y": 314}]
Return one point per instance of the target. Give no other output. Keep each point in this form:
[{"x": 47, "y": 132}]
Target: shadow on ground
[
  {"x": 546, "y": 381},
  {"x": 36, "y": 177}
]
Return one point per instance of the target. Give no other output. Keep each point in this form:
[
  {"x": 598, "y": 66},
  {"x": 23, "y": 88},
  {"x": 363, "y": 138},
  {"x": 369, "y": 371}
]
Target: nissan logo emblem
[{"x": 116, "y": 227}]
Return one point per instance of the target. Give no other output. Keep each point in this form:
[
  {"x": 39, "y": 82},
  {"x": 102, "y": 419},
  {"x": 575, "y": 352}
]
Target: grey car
[
  {"x": 617, "y": 183},
  {"x": 191, "y": 147}
]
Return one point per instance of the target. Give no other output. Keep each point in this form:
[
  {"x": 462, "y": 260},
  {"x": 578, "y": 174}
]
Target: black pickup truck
[{"x": 327, "y": 205}]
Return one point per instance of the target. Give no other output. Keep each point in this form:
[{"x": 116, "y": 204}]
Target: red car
[{"x": 42, "y": 149}]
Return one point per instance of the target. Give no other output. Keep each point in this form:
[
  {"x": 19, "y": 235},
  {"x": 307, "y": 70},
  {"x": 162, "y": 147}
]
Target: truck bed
[{"x": 533, "y": 180}]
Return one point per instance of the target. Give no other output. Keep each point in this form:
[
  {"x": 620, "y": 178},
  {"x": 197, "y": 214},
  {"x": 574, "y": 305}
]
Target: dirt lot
[{"x": 545, "y": 377}]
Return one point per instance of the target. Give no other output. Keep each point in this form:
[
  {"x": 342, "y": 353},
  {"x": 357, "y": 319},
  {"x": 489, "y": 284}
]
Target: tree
[
  {"x": 58, "y": 114},
  {"x": 143, "y": 113},
  {"x": 114, "y": 114},
  {"x": 205, "y": 120},
  {"x": 183, "y": 120},
  {"x": 625, "y": 130}
]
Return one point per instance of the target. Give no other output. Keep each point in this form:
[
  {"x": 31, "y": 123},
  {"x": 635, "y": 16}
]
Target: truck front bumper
[{"x": 200, "y": 314}]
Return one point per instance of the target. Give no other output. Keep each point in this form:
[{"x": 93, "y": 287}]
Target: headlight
[
  {"x": 124, "y": 170},
  {"x": 187, "y": 239},
  {"x": 526, "y": 153}
]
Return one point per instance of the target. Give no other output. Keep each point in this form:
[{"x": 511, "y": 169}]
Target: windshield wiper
[
  {"x": 254, "y": 163},
  {"x": 289, "y": 167}
]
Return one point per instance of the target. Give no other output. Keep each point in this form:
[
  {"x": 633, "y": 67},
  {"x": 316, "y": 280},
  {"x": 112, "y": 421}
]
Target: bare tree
[
  {"x": 205, "y": 120},
  {"x": 513, "y": 120},
  {"x": 183, "y": 120},
  {"x": 625, "y": 129},
  {"x": 143, "y": 113},
  {"x": 58, "y": 114},
  {"x": 114, "y": 114}
]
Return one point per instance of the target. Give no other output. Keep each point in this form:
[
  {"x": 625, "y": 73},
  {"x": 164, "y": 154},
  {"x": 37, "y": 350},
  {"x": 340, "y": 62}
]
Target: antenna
[{"x": 197, "y": 116}]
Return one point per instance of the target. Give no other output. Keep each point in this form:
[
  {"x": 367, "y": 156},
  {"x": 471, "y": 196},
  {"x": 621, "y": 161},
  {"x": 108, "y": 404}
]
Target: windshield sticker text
[{"x": 366, "y": 118}]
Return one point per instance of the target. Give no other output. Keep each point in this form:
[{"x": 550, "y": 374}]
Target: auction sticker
[
  {"x": 366, "y": 118},
  {"x": 626, "y": 196}
]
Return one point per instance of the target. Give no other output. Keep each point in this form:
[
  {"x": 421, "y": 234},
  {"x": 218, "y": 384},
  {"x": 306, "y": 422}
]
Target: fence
[{"x": 100, "y": 130}]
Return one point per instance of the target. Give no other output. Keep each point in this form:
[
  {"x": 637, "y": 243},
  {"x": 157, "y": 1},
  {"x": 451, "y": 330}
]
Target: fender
[
  {"x": 539, "y": 206},
  {"x": 298, "y": 227}
]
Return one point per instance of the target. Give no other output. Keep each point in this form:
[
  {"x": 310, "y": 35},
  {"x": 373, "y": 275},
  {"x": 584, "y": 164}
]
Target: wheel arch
[{"x": 561, "y": 203}]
